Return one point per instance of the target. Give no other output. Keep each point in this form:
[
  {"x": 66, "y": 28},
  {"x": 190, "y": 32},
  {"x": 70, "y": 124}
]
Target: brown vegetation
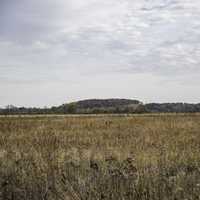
[{"x": 143, "y": 157}]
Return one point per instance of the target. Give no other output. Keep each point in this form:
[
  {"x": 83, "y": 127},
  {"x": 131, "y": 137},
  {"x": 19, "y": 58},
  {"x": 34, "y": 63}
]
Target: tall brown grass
[{"x": 109, "y": 157}]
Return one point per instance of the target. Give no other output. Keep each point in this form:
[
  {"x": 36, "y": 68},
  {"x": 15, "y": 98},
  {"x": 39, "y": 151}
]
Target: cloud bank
[{"x": 66, "y": 42}]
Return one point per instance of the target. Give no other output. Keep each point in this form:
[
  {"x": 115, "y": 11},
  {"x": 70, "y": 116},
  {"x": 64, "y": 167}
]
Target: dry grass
[{"x": 109, "y": 157}]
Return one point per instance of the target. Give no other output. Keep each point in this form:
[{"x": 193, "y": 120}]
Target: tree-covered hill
[{"x": 95, "y": 106}]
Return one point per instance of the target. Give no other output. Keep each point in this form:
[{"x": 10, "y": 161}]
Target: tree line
[{"x": 104, "y": 106}]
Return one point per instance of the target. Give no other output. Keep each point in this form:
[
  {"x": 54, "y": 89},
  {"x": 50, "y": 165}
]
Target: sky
[{"x": 53, "y": 52}]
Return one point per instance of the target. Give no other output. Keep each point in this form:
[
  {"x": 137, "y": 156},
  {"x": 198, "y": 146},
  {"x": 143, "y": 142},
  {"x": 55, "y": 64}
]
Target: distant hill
[
  {"x": 105, "y": 103},
  {"x": 103, "y": 106},
  {"x": 95, "y": 106}
]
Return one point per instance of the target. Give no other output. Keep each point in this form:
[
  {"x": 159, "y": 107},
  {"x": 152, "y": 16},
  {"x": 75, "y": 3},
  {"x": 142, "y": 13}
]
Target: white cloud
[{"x": 53, "y": 41}]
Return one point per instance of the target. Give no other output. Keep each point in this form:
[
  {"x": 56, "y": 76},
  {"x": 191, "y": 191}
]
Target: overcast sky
[{"x": 56, "y": 51}]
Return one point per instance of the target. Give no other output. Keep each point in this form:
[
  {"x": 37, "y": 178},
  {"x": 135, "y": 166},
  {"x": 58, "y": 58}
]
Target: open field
[{"x": 111, "y": 157}]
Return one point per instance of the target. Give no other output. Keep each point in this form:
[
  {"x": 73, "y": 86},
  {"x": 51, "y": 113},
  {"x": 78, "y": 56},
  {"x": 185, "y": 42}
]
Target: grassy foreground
[{"x": 109, "y": 157}]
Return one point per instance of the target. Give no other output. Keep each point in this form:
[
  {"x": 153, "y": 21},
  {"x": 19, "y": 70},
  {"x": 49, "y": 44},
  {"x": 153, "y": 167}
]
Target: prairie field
[{"x": 100, "y": 157}]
